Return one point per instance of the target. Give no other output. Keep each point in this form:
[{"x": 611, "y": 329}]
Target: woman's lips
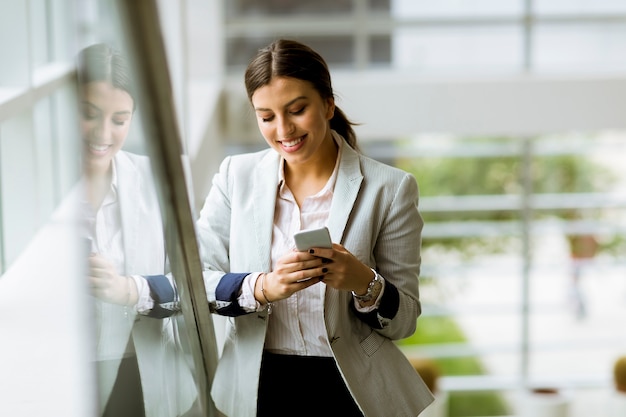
[
  {"x": 97, "y": 149},
  {"x": 292, "y": 145}
]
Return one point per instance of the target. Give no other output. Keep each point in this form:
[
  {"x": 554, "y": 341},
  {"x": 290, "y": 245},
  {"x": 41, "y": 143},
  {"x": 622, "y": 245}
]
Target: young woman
[
  {"x": 311, "y": 332},
  {"x": 140, "y": 365}
]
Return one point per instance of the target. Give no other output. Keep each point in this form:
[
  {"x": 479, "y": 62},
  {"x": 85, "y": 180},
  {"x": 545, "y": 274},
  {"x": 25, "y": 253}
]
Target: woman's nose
[
  {"x": 285, "y": 127},
  {"x": 102, "y": 131}
]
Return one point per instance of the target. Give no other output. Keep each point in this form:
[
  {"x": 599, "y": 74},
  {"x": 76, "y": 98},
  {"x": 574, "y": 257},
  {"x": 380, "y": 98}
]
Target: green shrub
[{"x": 439, "y": 329}]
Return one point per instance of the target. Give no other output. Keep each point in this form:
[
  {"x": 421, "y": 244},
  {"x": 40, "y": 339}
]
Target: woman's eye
[
  {"x": 267, "y": 119},
  {"x": 299, "y": 111},
  {"x": 119, "y": 122},
  {"x": 87, "y": 115}
]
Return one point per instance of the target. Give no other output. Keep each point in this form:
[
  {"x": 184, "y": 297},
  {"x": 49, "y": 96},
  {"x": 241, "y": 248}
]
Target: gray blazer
[{"x": 374, "y": 215}]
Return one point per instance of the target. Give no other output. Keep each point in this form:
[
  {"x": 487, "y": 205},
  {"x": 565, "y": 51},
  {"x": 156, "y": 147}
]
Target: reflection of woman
[
  {"x": 141, "y": 370},
  {"x": 325, "y": 347}
]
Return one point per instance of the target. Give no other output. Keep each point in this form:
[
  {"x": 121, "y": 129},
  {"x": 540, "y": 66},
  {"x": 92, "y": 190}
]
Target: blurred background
[{"x": 511, "y": 114}]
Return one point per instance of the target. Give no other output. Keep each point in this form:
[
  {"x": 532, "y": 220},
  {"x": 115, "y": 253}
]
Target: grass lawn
[{"x": 431, "y": 330}]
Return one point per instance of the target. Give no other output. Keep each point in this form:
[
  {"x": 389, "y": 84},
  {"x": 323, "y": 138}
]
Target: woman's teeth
[
  {"x": 98, "y": 148},
  {"x": 292, "y": 142}
]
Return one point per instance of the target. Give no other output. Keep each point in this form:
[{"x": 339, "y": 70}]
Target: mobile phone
[{"x": 313, "y": 238}]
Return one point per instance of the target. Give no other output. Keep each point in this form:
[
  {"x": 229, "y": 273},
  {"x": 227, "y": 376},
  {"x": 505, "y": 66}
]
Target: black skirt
[
  {"x": 293, "y": 385},
  {"x": 126, "y": 399}
]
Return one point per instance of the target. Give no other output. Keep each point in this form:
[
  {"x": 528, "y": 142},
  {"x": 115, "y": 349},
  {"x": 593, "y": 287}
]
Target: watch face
[
  {"x": 376, "y": 287},
  {"x": 373, "y": 289}
]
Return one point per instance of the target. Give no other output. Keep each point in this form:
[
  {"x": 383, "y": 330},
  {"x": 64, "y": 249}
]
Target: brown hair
[
  {"x": 289, "y": 58},
  {"x": 100, "y": 62}
]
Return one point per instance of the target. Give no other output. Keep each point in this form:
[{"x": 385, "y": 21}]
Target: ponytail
[{"x": 340, "y": 124}]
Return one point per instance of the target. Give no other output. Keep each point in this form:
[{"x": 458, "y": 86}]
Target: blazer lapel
[
  {"x": 347, "y": 186},
  {"x": 128, "y": 194},
  {"x": 265, "y": 185}
]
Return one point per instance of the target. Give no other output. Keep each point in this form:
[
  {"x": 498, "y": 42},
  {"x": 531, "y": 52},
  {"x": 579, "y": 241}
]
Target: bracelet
[{"x": 267, "y": 301}]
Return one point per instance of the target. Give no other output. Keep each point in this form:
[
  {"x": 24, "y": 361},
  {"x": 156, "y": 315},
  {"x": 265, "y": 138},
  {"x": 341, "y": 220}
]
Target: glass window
[
  {"x": 39, "y": 23},
  {"x": 380, "y": 5},
  {"x": 141, "y": 348},
  {"x": 338, "y": 51},
  {"x": 240, "y": 50},
  {"x": 579, "y": 47},
  {"x": 81, "y": 229},
  {"x": 380, "y": 50},
  {"x": 458, "y": 50},
  {"x": 490, "y": 307},
  {"x": 239, "y": 8},
  {"x": 64, "y": 119},
  {"x": 14, "y": 46},
  {"x": 403, "y": 9},
  {"x": 581, "y": 7},
  {"x": 18, "y": 184},
  {"x": 45, "y": 167}
]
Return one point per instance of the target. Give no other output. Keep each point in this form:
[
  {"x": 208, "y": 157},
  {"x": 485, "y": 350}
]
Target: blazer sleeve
[
  {"x": 397, "y": 253},
  {"x": 144, "y": 242},
  {"x": 213, "y": 231}
]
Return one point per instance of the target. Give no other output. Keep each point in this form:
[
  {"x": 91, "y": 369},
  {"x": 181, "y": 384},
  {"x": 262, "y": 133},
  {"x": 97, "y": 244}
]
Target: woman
[
  {"x": 326, "y": 315},
  {"x": 140, "y": 365}
]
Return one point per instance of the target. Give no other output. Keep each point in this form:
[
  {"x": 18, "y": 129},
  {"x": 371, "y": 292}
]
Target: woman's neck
[
  {"x": 308, "y": 179},
  {"x": 98, "y": 182}
]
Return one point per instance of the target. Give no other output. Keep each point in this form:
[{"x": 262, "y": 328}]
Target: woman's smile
[
  {"x": 292, "y": 145},
  {"x": 98, "y": 149}
]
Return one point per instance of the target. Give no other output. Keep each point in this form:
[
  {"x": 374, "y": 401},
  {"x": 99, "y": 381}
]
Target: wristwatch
[{"x": 373, "y": 289}]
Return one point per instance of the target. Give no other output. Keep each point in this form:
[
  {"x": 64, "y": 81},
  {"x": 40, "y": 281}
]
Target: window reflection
[
  {"x": 140, "y": 362},
  {"x": 17, "y": 161}
]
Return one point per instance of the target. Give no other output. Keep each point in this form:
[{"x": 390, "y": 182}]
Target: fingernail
[
  {"x": 324, "y": 270},
  {"x": 311, "y": 251},
  {"x": 325, "y": 260}
]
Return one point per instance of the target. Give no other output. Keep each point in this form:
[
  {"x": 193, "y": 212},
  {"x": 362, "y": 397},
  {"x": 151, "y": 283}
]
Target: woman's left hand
[{"x": 345, "y": 271}]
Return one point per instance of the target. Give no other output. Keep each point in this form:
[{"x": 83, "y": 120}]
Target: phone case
[{"x": 313, "y": 238}]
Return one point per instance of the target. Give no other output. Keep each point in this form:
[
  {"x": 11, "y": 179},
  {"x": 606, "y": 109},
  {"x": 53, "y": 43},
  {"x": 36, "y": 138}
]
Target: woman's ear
[{"x": 330, "y": 111}]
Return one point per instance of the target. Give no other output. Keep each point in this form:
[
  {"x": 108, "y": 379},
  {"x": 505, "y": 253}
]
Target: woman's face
[
  {"x": 106, "y": 113},
  {"x": 294, "y": 119}
]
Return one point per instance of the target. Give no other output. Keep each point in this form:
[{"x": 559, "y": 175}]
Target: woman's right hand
[
  {"x": 107, "y": 285},
  {"x": 293, "y": 272}
]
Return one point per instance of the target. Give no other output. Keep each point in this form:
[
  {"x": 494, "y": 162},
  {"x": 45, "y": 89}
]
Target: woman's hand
[
  {"x": 295, "y": 271},
  {"x": 344, "y": 270},
  {"x": 107, "y": 285}
]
